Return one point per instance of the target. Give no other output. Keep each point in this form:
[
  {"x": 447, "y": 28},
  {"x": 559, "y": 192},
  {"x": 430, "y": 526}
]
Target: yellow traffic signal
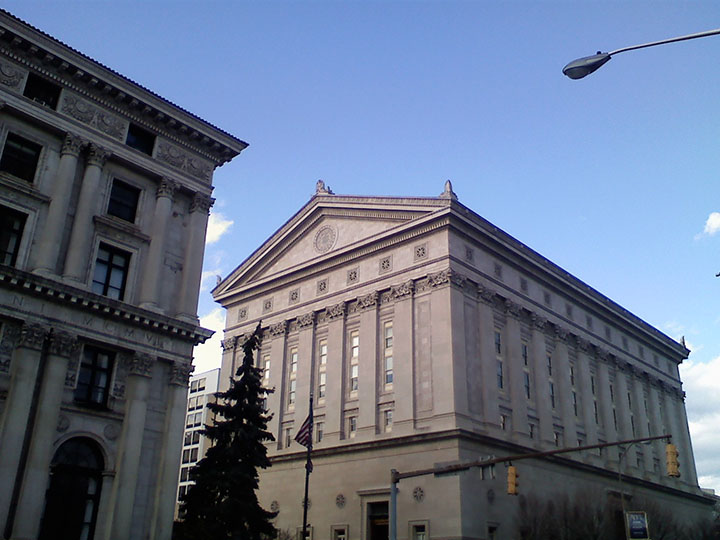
[
  {"x": 671, "y": 456},
  {"x": 512, "y": 482}
]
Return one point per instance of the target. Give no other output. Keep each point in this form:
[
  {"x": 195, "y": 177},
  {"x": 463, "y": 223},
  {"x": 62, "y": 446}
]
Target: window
[
  {"x": 612, "y": 393},
  {"x": 42, "y": 91},
  {"x": 111, "y": 269},
  {"x": 354, "y": 344},
  {"x": 322, "y": 385},
  {"x": 524, "y": 351},
  {"x": 94, "y": 376},
  {"x": 575, "y": 402},
  {"x": 592, "y": 384},
  {"x": 293, "y": 360},
  {"x": 319, "y": 431},
  {"x": 572, "y": 375},
  {"x": 354, "y": 377},
  {"x": 549, "y": 365},
  {"x": 556, "y": 438},
  {"x": 193, "y": 386},
  {"x": 500, "y": 374},
  {"x": 595, "y": 412},
  {"x": 526, "y": 381},
  {"x": 12, "y": 224},
  {"x": 201, "y": 384},
  {"x": 503, "y": 422},
  {"x": 388, "y": 352},
  {"x": 419, "y": 532},
  {"x": 291, "y": 393},
  {"x": 388, "y": 370},
  {"x": 123, "y": 201},
  {"x": 339, "y": 533},
  {"x": 352, "y": 425},
  {"x": 184, "y": 474},
  {"x": 629, "y": 400},
  {"x": 552, "y": 395},
  {"x": 323, "y": 352},
  {"x": 531, "y": 430},
  {"x": 498, "y": 343},
  {"x": 388, "y": 335},
  {"x": 266, "y": 367},
  {"x": 20, "y": 157},
  {"x": 288, "y": 437},
  {"x": 140, "y": 139},
  {"x": 192, "y": 402},
  {"x": 615, "y": 419},
  {"x": 387, "y": 420}
]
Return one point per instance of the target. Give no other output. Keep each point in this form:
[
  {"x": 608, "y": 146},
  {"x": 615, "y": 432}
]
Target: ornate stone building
[
  {"x": 429, "y": 336},
  {"x": 104, "y": 200}
]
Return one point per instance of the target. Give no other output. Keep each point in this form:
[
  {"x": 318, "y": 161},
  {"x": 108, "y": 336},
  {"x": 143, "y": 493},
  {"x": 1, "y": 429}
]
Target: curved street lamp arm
[{"x": 671, "y": 40}]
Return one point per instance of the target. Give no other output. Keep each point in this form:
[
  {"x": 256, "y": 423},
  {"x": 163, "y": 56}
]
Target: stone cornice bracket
[
  {"x": 166, "y": 188},
  {"x": 438, "y": 279},
  {"x": 486, "y": 295},
  {"x": 367, "y": 301},
  {"x": 62, "y": 344},
  {"x": 308, "y": 319},
  {"x": 32, "y": 336},
  {"x": 404, "y": 290},
  {"x": 201, "y": 203},
  {"x": 180, "y": 374},
  {"x": 538, "y": 322},
  {"x": 140, "y": 364},
  {"x": 228, "y": 344},
  {"x": 278, "y": 329},
  {"x": 97, "y": 155},
  {"x": 72, "y": 144},
  {"x": 336, "y": 311},
  {"x": 561, "y": 334},
  {"x": 585, "y": 346},
  {"x": 511, "y": 308}
]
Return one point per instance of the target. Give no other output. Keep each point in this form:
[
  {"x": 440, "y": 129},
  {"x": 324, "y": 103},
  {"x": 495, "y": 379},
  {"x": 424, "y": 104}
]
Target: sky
[{"x": 613, "y": 177}]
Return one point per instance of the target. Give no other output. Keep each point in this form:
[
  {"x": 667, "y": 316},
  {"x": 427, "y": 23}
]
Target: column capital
[
  {"x": 63, "y": 344},
  {"x": 32, "y": 336},
  {"x": 278, "y": 329},
  {"x": 201, "y": 203},
  {"x": 308, "y": 319},
  {"x": 336, "y": 312},
  {"x": 97, "y": 155},
  {"x": 513, "y": 309},
  {"x": 72, "y": 145},
  {"x": 180, "y": 374},
  {"x": 486, "y": 295},
  {"x": 140, "y": 364},
  {"x": 228, "y": 344},
  {"x": 539, "y": 323},
  {"x": 166, "y": 188}
]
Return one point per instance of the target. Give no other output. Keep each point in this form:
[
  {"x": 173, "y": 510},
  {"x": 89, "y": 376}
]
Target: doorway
[{"x": 378, "y": 521}]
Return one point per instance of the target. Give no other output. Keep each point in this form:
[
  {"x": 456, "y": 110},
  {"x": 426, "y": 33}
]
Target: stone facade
[
  {"x": 429, "y": 336},
  {"x": 104, "y": 200}
]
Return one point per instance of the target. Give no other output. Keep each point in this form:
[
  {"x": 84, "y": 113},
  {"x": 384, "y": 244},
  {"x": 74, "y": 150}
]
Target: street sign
[{"x": 637, "y": 525}]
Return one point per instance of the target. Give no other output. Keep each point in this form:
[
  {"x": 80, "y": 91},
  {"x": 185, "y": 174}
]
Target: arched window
[{"x": 72, "y": 499}]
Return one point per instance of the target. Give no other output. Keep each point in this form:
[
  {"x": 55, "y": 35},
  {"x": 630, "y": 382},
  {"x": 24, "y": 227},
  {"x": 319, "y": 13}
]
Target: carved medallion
[
  {"x": 325, "y": 239},
  {"x": 340, "y": 501}
]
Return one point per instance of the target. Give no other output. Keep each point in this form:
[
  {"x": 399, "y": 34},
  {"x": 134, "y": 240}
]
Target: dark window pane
[
  {"x": 94, "y": 377},
  {"x": 123, "y": 201},
  {"x": 20, "y": 157},
  {"x": 12, "y": 224},
  {"x": 42, "y": 91},
  {"x": 110, "y": 275},
  {"x": 140, "y": 139}
]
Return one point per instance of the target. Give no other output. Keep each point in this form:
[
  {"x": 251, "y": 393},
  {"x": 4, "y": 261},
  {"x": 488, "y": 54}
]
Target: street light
[{"x": 577, "y": 69}]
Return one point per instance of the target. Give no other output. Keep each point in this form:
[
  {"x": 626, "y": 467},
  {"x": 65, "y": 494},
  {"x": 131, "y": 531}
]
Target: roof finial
[
  {"x": 320, "y": 189},
  {"x": 448, "y": 193}
]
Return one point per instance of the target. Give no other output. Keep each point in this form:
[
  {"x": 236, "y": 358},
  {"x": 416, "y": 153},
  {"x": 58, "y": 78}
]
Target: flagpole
[{"x": 308, "y": 468}]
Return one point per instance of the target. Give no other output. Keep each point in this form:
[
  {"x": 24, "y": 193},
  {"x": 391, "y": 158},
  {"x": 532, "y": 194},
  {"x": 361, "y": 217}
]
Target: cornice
[
  {"x": 72, "y": 69},
  {"x": 27, "y": 283}
]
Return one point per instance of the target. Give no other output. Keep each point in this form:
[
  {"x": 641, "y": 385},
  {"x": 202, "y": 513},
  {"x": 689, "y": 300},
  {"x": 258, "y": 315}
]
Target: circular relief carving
[
  {"x": 111, "y": 432},
  {"x": 274, "y": 506},
  {"x": 418, "y": 494},
  {"x": 63, "y": 423},
  {"x": 340, "y": 501},
  {"x": 325, "y": 239}
]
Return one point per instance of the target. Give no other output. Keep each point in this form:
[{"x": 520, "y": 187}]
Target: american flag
[{"x": 304, "y": 434}]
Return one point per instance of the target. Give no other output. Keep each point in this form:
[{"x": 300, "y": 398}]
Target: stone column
[
  {"x": 152, "y": 271},
  {"x": 130, "y": 446},
  {"x": 514, "y": 365},
  {"x": 305, "y": 377},
  {"x": 368, "y": 380},
  {"x": 681, "y": 438},
  {"x": 582, "y": 368},
  {"x": 657, "y": 427},
  {"x": 50, "y": 237},
  {"x": 488, "y": 373},
  {"x": 166, "y": 489},
  {"x": 79, "y": 249},
  {"x": 277, "y": 401},
  {"x": 641, "y": 419},
  {"x": 562, "y": 377},
  {"x": 29, "y": 512},
  {"x": 336, "y": 373},
  {"x": 539, "y": 355},
  {"x": 403, "y": 384},
  {"x": 605, "y": 405},
  {"x": 192, "y": 263},
  {"x": 16, "y": 413}
]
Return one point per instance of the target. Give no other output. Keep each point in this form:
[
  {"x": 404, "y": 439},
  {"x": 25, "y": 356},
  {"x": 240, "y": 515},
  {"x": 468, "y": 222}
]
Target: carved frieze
[
  {"x": 11, "y": 76},
  {"x": 94, "y": 116},
  {"x": 62, "y": 344},
  {"x": 278, "y": 329},
  {"x": 336, "y": 311},
  {"x": 308, "y": 319},
  {"x": 32, "y": 336},
  {"x": 180, "y": 159},
  {"x": 180, "y": 373}
]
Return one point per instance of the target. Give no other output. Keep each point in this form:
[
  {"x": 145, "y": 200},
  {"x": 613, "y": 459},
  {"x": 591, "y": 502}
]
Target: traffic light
[
  {"x": 671, "y": 456},
  {"x": 512, "y": 482}
]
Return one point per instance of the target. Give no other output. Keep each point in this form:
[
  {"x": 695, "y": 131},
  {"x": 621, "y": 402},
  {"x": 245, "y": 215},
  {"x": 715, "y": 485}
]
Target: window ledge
[
  {"x": 119, "y": 225},
  {"x": 21, "y": 186}
]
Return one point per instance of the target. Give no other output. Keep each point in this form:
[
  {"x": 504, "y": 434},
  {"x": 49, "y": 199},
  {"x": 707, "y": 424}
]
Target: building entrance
[{"x": 378, "y": 522}]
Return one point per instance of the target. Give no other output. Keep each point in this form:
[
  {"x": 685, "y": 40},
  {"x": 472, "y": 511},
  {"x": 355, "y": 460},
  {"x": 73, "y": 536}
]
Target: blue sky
[{"x": 613, "y": 177}]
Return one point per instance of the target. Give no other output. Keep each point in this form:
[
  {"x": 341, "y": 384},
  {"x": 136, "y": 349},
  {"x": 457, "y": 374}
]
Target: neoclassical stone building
[
  {"x": 429, "y": 336},
  {"x": 104, "y": 200}
]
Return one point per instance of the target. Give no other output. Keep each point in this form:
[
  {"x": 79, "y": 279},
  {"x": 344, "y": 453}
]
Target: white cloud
[
  {"x": 712, "y": 225},
  {"x": 217, "y": 226},
  {"x": 703, "y": 409},
  {"x": 209, "y": 354}
]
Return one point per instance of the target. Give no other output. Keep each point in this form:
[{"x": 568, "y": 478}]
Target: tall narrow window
[
  {"x": 94, "y": 377},
  {"x": 12, "y": 224},
  {"x": 526, "y": 377},
  {"x": 288, "y": 437},
  {"x": 388, "y": 353},
  {"x": 524, "y": 351},
  {"x": 354, "y": 359},
  {"x": 323, "y": 351},
  {"x": 387, "y": 420},
  {"x": 572, "y": 375},
  {"x": 595, "y": 412},
  {"x": 266, "y": 368},
  {"x": 592, "y": 384},
  {"x": 352, "y": 425},
  {"x": 575, "y": 402},
  {"x": 111, "y": 269},
  {"x": 499, "y": 366},
  {"x": 321, "y": 367},
  {"x": 319, "y": 431},
  {"x": 123, "y": 201},
  {"x": 293, "y": 360},
  {"x": 322, "y": 384},
  {"x": 612, "y": 393},
  {"x": 498, "y": 342},
  {"x": 552, "y": 395},
  {"x": 291, "y": 393},
  {"x": 20, "y": 157},
  {"x": 549, "y": 365},
  {"x": 354, "y": 377}
]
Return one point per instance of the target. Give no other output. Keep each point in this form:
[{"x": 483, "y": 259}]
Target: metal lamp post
[{"x": 577, "y": 69}]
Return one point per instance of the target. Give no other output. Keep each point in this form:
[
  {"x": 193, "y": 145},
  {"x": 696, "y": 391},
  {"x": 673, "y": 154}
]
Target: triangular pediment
[{"x": 327, "y": 227}]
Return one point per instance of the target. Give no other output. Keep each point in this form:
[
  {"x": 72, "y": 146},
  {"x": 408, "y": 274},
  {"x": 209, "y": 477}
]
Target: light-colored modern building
[
  {"x": 104, "y": 201},
  {"x": 203, "y": 387},
  {"x": 429, "y": 336}
]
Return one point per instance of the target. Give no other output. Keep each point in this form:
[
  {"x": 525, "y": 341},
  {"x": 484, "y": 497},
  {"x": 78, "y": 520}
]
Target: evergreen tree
[{"x": 223, "y": 501}]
